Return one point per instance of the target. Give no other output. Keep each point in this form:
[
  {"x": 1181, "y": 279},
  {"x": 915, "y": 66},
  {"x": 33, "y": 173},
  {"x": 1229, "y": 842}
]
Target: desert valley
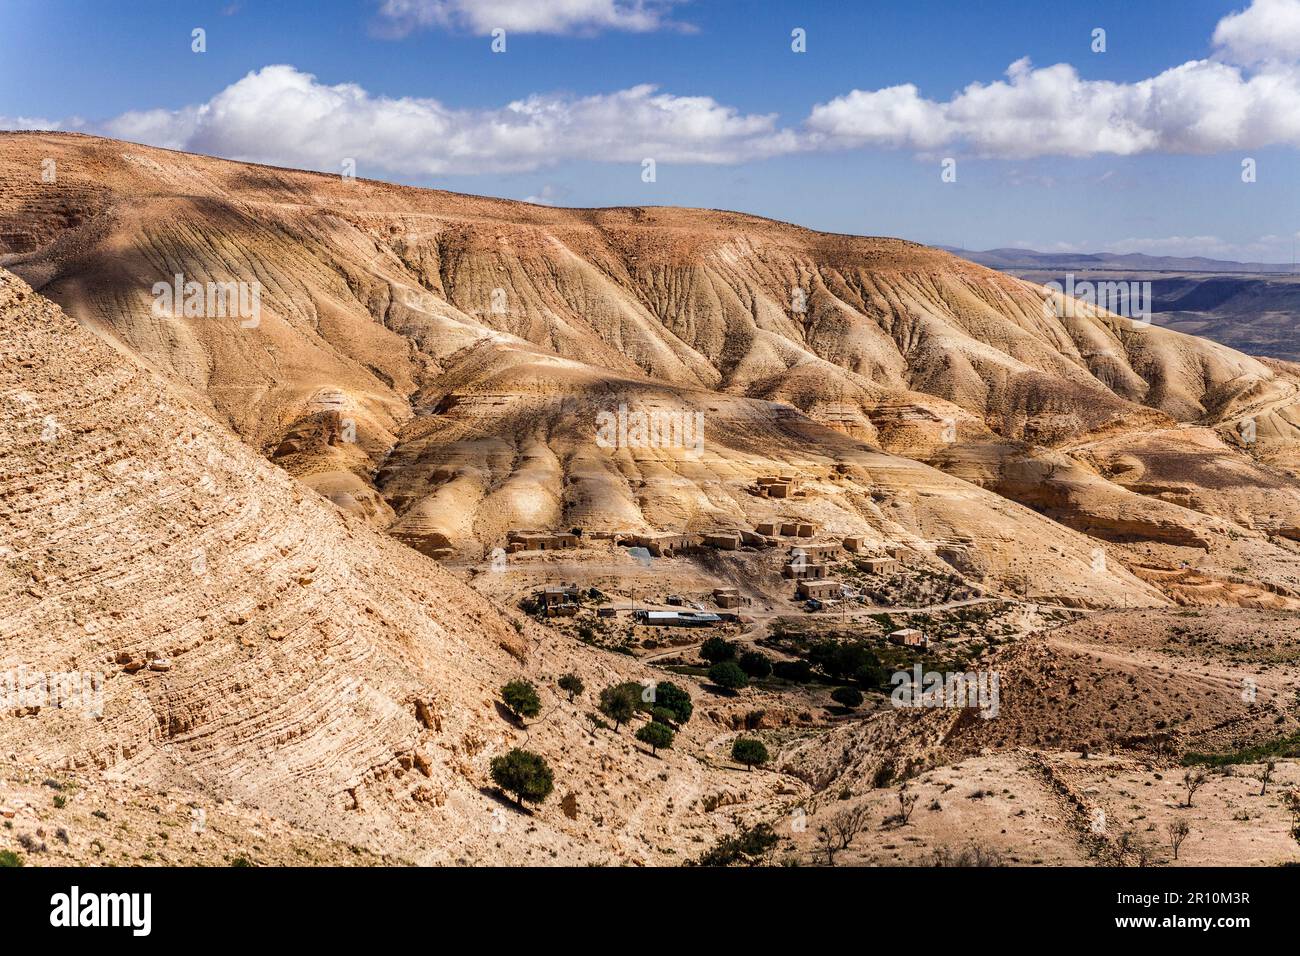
[{"x": 766, "y": 545}]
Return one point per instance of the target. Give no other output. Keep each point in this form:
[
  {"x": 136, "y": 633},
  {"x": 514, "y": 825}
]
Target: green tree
[
  {"x": 619, "y": 702},
  {"x": 849, "y": 697},
  {"x": 728, "y": 675},
  {"x": 642, "y": 694},
  {"x": 662, "y": 715},
  {"x": 572, "y": 685},
  {"x": 717, "y": 649},
  {"x": 523, "y": 774},
  {"x": 798, "y": 672},
  {"x": 749, "y": 751},
  {"x": 656, "y": 735},
  {"x": 871, "y": 675},
  {"x": 838, "y": 660},
  {"x": 520, "y": 696},
  {"x": 669, "y": 695},
  {"x": 756, "y": 665}
]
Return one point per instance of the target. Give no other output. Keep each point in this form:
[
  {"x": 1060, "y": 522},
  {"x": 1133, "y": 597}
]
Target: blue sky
[{"x": 1126, "y": 149}]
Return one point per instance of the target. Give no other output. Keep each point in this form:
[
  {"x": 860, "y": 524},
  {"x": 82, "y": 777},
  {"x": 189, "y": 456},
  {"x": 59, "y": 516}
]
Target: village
[{"x": 774, "y": 600}]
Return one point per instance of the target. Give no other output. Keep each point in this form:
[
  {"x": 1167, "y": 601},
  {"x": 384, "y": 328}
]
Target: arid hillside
[
  {"x": 435, "y": 364},
  {"x": 274, "y": 519},
  {"x": 260, "y": 655}
]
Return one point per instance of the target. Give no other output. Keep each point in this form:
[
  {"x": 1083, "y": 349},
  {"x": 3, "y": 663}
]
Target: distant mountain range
[{"x": 1029, "y": 259}]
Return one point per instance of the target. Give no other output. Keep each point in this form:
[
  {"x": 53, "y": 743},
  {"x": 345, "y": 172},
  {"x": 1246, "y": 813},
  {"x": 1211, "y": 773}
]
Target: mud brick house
[
  {"x": 820, "y": 590},
  {"x": 517, "y": 541}
]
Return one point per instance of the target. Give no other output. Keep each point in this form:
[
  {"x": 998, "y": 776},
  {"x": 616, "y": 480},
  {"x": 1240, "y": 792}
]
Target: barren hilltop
[{"x": 302, "y": 540}]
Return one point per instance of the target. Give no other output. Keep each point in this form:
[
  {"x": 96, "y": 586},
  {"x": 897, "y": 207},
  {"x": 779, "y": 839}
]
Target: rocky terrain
[
  {"x": 275, "y": 531},
  {"x": 256, "y": 644},
  {"x": 1249, "y": 306}
]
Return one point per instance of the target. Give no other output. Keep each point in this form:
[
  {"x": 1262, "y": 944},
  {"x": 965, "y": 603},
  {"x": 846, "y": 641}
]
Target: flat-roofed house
[
  {"x": 677, "y": 618},
  {"x": 517, "y": 541},
  {"x": 559, "y": 600},
  {"x": 664, "y": 545},
  {"x": 726, "y": 597},
  {"x": 805, "y": 570},
  {"x": 877, "y": 565},
  {"x": 821, "y": 590},
  {"x": 908, "y": 637},
  {"x": 816, "y": 552}
]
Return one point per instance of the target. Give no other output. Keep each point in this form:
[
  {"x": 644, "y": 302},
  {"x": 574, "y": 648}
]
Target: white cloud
[
  {"x": 1266, "y": 30},
  {"x": 400, "y": 17},
  {"x": 32, "y": 123},
  {"x": 171, "y": 129},
  {"x": 1269, "y": 248},
  {"x": 1202, "y": 106},
  {"x": 548, "y": 195},
  {"x": 283, "y": 116},
  {"x": 893, "y": 116}
]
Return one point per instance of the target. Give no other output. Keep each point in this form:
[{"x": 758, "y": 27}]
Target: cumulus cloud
[
  {"x": 893, "y": 116},
  {"x": 1266, "y": 30},
  {"x": 283, "y": 116},
  {"x": 1203, "y": 106},
  {"x": 398, "y": 18},
  {"x": 1246, "y": 97}
]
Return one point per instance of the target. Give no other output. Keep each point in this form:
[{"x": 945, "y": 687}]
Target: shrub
[
  {"x": 642, "y": 694},
  {"x": 839, "y": 660},
  {"x": 849, "y": 697},
  {"x": 10, "y": 858},
  {"x": 520, "y": 696},
  {"x": 656, "y": 735},
  {"x": 973, "y": 855},
  {"x": 669, "y": 695},
  {"x": 871, "y": 675},
  {"x": 749, "y": 751},
  {"x": 523, "y": 774},
  {"x": 749, "y": 847},
  {"x": 1193, "y": 780},
  {"x": 662, "y": 715},
  {"x": 755, "y": 664},
  {"x": 728, "y": 675},
  {"x": 717, "y": 649},
  {"x": 799, "y": 672},
  {"x": 572, "y": 685},
  {"x": 619, "y": 702}
]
